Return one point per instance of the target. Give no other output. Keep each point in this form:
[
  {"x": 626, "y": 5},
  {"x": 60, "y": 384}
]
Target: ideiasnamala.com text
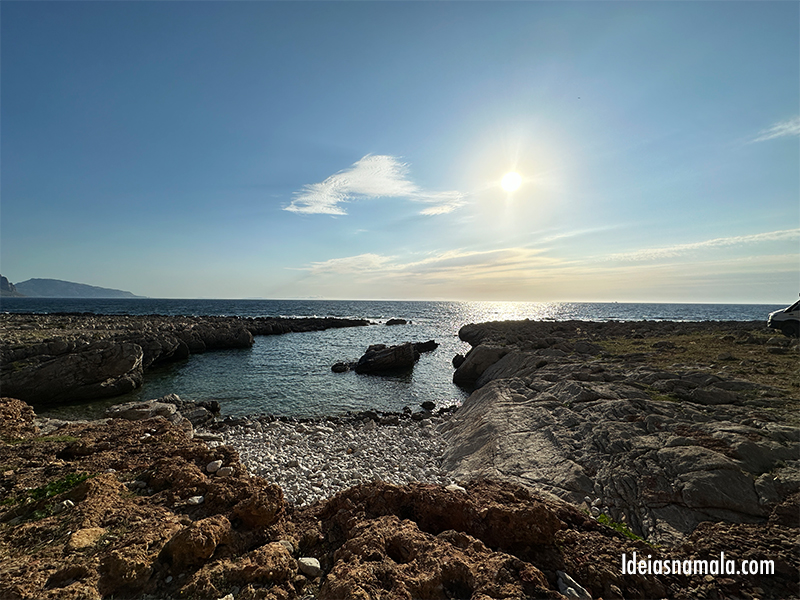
[{"x": 716, "y": 566}]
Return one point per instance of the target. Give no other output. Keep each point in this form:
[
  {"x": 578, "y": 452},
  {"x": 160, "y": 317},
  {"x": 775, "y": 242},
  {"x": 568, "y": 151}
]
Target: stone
[
  {"x": 380, "y": 358},
  {"x": 422, "y": 347},
  {"x": 476, "y": 362},
  {"x": 214, "y": 466},
  {"x": 138, "y": 411},
  {"x": 571, "y": 588},
  {"x": 396, "y": 322},
  {"x": 224, "y": 472},
  {"x": 310, "y": 566},
  {"x": 98, "y": 370},
  {"x": 195, "y": 544},
  {"x": 85, "y": 538}
]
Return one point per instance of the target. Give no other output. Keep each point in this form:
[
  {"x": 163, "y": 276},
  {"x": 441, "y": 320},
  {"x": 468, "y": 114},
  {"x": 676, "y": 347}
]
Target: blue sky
[{"x": 355, "y": 149}]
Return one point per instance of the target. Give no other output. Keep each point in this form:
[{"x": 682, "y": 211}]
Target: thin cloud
[
  {"x": 378, "y": 176},
  {"x": 455, "y": 262},
  {"x": 679, "y": 249},
  {"x": 783, "y": 129}
]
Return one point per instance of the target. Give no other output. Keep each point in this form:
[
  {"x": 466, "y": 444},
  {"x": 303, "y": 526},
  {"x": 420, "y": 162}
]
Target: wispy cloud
[
  {"x": 783, "y": 129},
  {"x": 680, "y": 249},
  {"x": 455, "y": 263},
  {"x": 377, "y": 176}
]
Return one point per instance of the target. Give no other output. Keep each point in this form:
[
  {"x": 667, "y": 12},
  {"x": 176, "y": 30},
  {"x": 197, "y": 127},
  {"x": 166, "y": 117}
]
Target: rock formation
[
  {"x": 662, "y": 449},
  {"x": 7, "y": 289},
  {"x": 47, "y": 359}
]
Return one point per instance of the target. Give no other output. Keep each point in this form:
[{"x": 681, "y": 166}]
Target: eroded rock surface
[
  {"x": 144, "y": 516},
  {"x": 48, "y": 359},
  {"x": 662, "y": 449}
]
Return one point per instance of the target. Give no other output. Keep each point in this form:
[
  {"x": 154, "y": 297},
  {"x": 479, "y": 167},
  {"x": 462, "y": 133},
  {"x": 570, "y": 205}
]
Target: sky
[{"x": 355, "y": 150}]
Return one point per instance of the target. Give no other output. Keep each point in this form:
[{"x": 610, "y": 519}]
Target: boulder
[
  {"x": 476, "y": 362},
  {"x": 380, "y": 358},
  {"x": 195, "y": 544},
  {"x": 138, "y": 411}
]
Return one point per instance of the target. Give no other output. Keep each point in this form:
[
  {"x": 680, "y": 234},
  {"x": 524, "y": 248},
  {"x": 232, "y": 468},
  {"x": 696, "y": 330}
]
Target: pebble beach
[{"x": 314, "y": 460}]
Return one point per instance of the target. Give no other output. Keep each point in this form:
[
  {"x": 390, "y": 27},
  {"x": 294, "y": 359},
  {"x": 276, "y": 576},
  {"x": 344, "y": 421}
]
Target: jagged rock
[
  {"x": 396, "y": 322},
  {"x": 96, "y": 370},
  {"x": 429, "y": 346},
  {"x": 476, "y": 362},
  {"x": 379, "y": 358},
  {"x": 63, "y": 361},
  {"x": 16, "y": 418},
  {"x": 394, "y": 556},
  {"x": 137, "y": 411},
  {"x": 195, "y": 544}
]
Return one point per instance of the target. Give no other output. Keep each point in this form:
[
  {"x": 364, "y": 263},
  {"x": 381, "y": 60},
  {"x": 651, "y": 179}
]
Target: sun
[{"x": 511, "y": 181}]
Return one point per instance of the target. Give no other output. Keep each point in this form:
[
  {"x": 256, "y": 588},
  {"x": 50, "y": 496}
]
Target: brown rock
[
  {"x": 197, "y": 543},
  {"x": 391, "y": 558},
  {"x": 84, "y": 538},
  {"x": 16, "y": 418}
]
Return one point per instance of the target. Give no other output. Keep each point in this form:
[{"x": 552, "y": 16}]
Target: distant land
[{"x": 56, "y": 288}]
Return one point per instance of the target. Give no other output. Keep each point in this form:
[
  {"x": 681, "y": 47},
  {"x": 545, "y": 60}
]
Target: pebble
[
  {"x": 214, "y": 466},
  {"x": 310, "y": 566},
  {"x": 329, "y": 456}
]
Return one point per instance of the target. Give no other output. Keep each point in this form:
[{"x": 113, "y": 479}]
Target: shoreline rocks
[
  {"x": 662, "y": 448},
  {"x": 52, "y": 359}
]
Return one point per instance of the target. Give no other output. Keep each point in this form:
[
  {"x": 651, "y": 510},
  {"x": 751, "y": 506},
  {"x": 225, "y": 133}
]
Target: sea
[{"x": 290, "y": 375}]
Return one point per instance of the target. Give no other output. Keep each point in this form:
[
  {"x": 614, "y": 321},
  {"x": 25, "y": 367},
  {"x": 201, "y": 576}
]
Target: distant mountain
[
  {"x": 55, "y": 288},
  {"x": 8, "y": 289}
]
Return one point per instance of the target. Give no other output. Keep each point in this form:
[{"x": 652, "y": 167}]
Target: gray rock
[
  {"x": 97, "y": 370},
  {"x": 214, "y": 466},
  {"x": 476, "y": 362},
  {"x": 310, "y": 567},
  {"x": 571, "y": 588}
]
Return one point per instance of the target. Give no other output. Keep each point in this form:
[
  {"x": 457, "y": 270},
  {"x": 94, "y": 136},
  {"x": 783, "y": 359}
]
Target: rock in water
[
  {"x": 380, "y": 358},
  {"x": 428, "y": 346}
]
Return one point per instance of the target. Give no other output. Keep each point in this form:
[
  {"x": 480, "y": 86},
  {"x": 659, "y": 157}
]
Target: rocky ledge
[
  {"x": 661, "y": 426},
  {"x": 49, "y": 359}
]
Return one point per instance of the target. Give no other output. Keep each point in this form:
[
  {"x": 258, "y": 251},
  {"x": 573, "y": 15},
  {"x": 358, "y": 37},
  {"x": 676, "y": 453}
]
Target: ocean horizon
[{"x": 290, "y": 374}]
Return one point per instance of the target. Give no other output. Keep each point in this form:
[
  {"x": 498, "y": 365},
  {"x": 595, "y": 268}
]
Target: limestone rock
[
  {"x": 476, "y": 362},
  {"x": 387, "y": 554},
  {"x": 310, "y": 566},
  {"x": 96, "y": 370},
  {"x": 195, "y": 544},
  {"x": 379, "y": 358}
]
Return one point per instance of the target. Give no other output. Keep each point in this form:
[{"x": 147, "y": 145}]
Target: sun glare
[{"x": 511, "y": 181}]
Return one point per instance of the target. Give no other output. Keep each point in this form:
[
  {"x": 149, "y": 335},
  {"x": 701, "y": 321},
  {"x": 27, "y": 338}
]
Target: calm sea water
[{"x": 290, "y": 374}]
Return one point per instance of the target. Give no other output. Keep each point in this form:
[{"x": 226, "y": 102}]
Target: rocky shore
[
  {"x": 51, "y": 359},
  {"x": 581, "y": 442},
  {"x": 667, "y": 424}
]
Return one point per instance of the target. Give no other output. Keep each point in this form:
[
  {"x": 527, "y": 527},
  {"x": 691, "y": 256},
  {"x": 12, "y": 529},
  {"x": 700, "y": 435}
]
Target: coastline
[{"x": 568, "y": 383}]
